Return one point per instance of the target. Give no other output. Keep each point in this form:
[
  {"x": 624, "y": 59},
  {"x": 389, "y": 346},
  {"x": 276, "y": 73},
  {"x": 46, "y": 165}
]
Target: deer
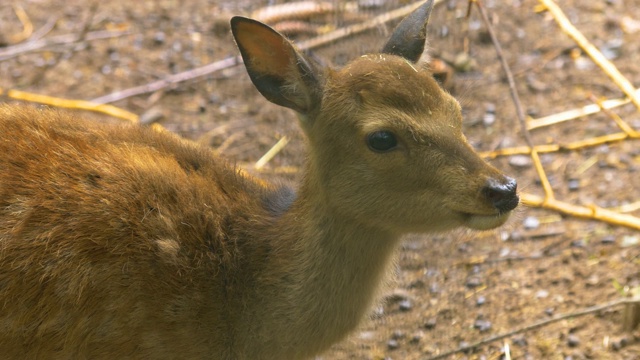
[{"x": 120, "y": 241}]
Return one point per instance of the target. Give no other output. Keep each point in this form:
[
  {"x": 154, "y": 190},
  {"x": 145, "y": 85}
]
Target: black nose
[{"x": 502, "y": 194}]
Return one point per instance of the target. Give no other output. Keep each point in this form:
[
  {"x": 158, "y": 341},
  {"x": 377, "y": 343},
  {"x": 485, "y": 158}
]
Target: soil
[{"x": 452, "y": 289}]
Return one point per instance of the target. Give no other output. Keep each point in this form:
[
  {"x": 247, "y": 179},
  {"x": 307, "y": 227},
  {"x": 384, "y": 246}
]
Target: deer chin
[{"x": 484, "y": 222}]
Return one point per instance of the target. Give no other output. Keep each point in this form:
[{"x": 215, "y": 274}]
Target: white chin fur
[{"x": 486, "y": 222}]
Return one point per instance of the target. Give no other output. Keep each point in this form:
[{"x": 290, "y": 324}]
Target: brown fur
[{"x": 122, "y": 242}]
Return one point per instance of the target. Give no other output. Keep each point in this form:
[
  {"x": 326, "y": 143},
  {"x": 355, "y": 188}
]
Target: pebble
[
  {"x": 579, "y": 243},
  {"x": 542, "y": 294},
  {"x": 531, "y": 223},
  {"x": 573, "y": 340},
  {"x": 430, "y": 323},
  {"x": 489, "y": 117},
  {"x": 573, "y": 184},
  {"x": 520, "y": 161},
  {"x": 393, "y": 344},
  {"x": 159, "y": 38},
  {"x": 417, "y": 337},
  {"x": 520, "y": 341},
  {"x": 630, "y": 240},
  {"x": 482, "y": 325},
  {"x": 618, "y": 344},
  {"x": 473, "y": 282},
  {"x": 481, "y": 300},
  {"x": 609, "y": 239},
  {"x": 434, "y": 288},
  {"x": 549, "y": 311},
  {"x": 405, "y": 305}
]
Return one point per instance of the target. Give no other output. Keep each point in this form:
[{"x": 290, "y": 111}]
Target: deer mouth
[{"x": 484, "y": 221}]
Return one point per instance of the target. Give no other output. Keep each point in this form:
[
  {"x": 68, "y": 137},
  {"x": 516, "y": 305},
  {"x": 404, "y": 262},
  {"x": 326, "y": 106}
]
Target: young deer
[{"x": 122, "y": 242}]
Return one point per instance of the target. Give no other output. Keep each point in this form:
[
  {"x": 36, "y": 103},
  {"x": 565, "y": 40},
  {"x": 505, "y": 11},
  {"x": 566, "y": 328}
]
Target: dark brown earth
[{"x": 453, "y": 289}]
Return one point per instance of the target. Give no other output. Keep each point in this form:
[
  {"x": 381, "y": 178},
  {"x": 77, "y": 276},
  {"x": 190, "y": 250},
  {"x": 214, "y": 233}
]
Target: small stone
[
  {"x": 609, "y": 239},
  {"x": 573, "y": 340},
  {"x": 579, "y": 243},
  {"x": 393, "y": 344},
  {"x": 367, "y": 335},
  {"x": 473, "y": 282},
  {"x": 520, "y": 161},
  {"x": 481, "y": 300},
  {"x": 482, "y": 325},
  {"x": 630, "y": 240},
  {"x": 417, "y": 337},
  {"x": 430, "y": 323},
  {"x": 549, "y": 311},
  {"x": 159, "y": 38},
  {"x": 618, "y": 344},
  {"x": 397, "y": 335},
  {"x": 489, "y": 117},
  {"x": 434, "y": 288},
  {"x": 378, "y": 312},
  {"x": 405, "y": 305},
  {"x": 573, "y": 184},
  {"x": 516, "y": 236},
  {"x": 542, "y": 294},
  {"x": 531, "y": 223},
  {"x": 593, "y": 280},
  {"x": 520, "y": 341}
]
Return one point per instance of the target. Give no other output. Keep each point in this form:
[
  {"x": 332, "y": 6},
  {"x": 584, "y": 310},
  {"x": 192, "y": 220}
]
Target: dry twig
[
  {"x": 34, "y": 45},
  {"x": 592, "y": 51},
  {"x": 27, "y": 25},
  {"x": 71, "y": 104},
  {"x": 539, "y": 324}
]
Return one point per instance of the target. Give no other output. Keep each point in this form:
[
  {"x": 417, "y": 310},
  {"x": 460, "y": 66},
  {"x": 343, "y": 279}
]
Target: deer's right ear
[{"x": 277, "y": 69}]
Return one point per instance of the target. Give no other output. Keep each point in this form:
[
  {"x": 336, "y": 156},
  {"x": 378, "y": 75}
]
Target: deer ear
[
  {"x": 409, "y": 37},
  {"x": 277, "y": 69}
]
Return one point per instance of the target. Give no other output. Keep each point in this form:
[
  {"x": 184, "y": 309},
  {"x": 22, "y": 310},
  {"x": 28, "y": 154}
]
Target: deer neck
[{"x": 330, "y": 268}]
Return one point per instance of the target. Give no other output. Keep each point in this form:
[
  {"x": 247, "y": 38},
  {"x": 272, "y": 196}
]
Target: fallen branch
[
  {"x": 577, "y": 113},
  {"x": 15, "y": 50},
  {"x": 71, "y": 104},
  {"x": 27, "y": 25},
  {"x": 584, "y": 212},
  {"x": 606, "y": 65},
  {"x": 539, "y": 324}
]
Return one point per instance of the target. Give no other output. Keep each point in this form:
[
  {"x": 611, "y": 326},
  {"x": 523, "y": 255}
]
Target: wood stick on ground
[
  {"x": 613, "y": 116},
  {"x": 584, "y": 212},
  {"x": 580, "y": 144},
  {"x": 607, "y": 66},
  {"x": 27, "y": 25},
  {"x": 71, "y": 104},
  {"x": 539, "y": 324},
  {"x": 576, "y": 113},
  {"x": 271, "y": 153},
  {"x": 18, "y": 49}
]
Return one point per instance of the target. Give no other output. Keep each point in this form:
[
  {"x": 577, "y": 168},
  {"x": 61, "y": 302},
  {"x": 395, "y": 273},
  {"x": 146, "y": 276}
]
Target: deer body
[{"x": 123, "y": 242}]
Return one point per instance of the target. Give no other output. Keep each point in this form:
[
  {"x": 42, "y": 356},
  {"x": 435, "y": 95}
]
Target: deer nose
[{"x": 502, "y": 194}]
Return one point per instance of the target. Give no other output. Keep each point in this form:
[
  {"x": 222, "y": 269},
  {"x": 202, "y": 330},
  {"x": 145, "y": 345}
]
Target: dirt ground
[{"x": 451, "y": 290}]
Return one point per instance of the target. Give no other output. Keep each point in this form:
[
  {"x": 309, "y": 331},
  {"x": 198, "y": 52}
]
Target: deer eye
[{"x": 382, "y": 141}]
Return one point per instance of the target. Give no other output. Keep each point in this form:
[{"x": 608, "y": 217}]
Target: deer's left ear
[{"x": 408, "y": 39}]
